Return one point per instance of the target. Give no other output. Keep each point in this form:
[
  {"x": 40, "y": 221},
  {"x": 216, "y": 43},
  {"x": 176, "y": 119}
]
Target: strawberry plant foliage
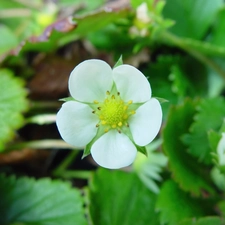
[
  {"x": 209, "y": 116},
  {"x": 186, "y": 170},
  {"x": 170, "y": 199},
  {"x": 194, "y": 25},
  {"x": 12, "y": 103},
  {"x": 208, "y": 220},
  {"x": 41, "y": 202},
  {"x": 70, "y": 29},
  {"x": 133, "y": 201},
  {"x": 179, "y": 46}
]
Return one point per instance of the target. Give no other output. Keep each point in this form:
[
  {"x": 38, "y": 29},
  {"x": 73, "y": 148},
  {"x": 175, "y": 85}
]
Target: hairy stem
[
  {"x": 61, "y": 169},
  {"x": 176, "y": 41}
]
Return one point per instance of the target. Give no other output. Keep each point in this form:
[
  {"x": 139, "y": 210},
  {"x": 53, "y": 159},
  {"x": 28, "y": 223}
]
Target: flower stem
[
  {"x": 173, "y": 39},
  {"x": 38, "y": 105},
  {"x": 42, "y": 144},
  {"x": 80, "y": 174},
  {"x": 61, "y": 170}
]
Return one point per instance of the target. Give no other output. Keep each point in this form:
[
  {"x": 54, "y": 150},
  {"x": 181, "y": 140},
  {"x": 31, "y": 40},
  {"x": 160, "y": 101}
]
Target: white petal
[
  {"x": 76, "y": 123},
  {"x": 90, "y": 80},
  {"x": 145, "y": 124},
  {"x": 113, "y": 150},
  {"x": 131, "y": 83}
]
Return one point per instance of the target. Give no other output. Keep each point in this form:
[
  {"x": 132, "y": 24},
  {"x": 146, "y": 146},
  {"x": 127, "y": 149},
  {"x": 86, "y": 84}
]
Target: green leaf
[
  {"x": 216, "y": 82},
  {"x": 83, "y": 5},
  {"x": 210, "y": 220},
  {"x": 180, "y": 82},
  {"x": 158, "y": 78},
  {"x": 186, "y": 170},
  {"x": 41, "y": 202},
  {"x": 122, "y": 44},
  {"x": 153, "y": 7},
  {"x": 170, "y": 199},
  {"x": 118, "y": 197},
  {"x": 136, "y": 3},
  {"x": 67, "y": 99},
  {"x": 209, "y": 116},
  {"x": 8, "y": 40},
  {"x": 189, "y": 22},
  {"x": 161, "y": 100},
  {"x": 221, "y": 208},
  {"x": 217, "y": 36},
  {"x": 87, "y": 149},
  {"x": 172, "y": 78},
  {"x": 68, "y": 30},
  {"x": 12, "y": 103},
  {"x": 119, "y": 62},
  {"x": 142, "y": 149},
  {"x": 196, "y": 74},
  {"x": 25, "y": 20},
  {"x": 214, "y": 139}
]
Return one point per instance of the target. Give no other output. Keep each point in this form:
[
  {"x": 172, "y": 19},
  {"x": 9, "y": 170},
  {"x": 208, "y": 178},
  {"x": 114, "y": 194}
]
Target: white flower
[{"x": 112, "y": 111}]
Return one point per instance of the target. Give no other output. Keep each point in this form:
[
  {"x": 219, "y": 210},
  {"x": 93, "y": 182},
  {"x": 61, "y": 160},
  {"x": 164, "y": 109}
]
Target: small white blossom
[
  {"x": 112, "y": 109},
  {"x": 142, "y": 13},
  {"x": 142, "y": 21}
]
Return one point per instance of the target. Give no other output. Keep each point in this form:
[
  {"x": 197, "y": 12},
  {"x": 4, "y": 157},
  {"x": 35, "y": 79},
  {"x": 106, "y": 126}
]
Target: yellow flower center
[{"x": 113, "y": 112}]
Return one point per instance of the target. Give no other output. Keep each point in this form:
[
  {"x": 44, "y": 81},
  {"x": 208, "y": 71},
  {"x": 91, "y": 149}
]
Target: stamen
[
  {"x": 103, "y": 122},
  {"x": 113, "y": 112}
]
